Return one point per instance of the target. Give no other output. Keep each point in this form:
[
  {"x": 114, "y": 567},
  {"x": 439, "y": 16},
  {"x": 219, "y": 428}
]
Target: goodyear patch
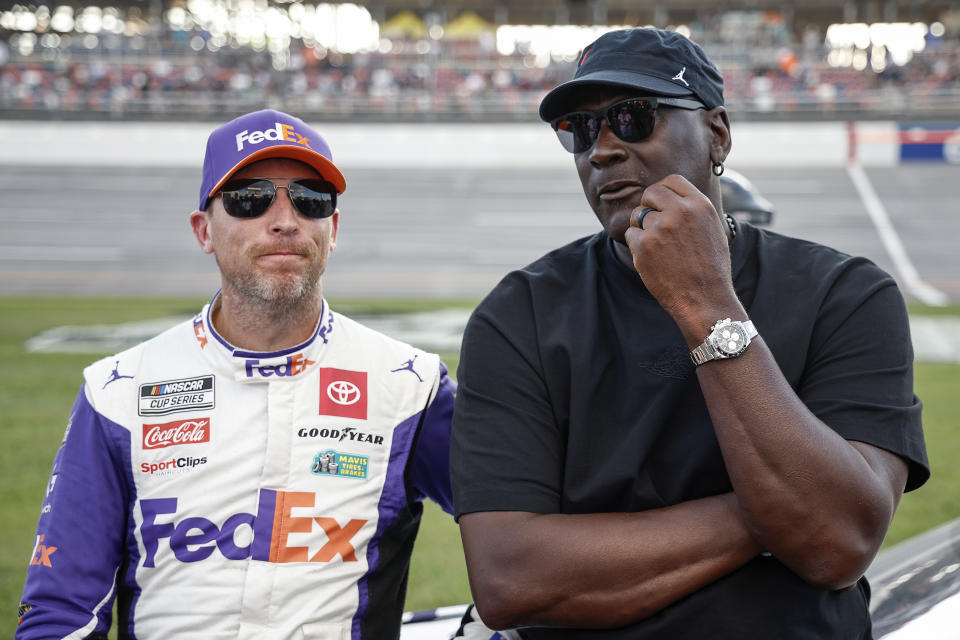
[{"x": 342, "y": 465}]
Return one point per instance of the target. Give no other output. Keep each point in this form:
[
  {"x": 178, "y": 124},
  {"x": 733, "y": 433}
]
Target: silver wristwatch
[{"x": 726, "y": 340}]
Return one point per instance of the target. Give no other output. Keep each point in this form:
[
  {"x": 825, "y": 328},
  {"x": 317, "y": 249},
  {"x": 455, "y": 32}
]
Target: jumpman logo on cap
[{"x": 680, "y": 77}]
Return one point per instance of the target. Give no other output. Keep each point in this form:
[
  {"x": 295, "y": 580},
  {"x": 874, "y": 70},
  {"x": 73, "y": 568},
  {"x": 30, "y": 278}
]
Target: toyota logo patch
[{"x": 343, "y": 393}]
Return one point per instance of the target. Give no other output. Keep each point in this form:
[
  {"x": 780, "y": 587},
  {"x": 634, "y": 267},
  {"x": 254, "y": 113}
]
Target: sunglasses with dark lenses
[
  {"x": 631, "y": 120},
  {"x": 251, "y": 197}
]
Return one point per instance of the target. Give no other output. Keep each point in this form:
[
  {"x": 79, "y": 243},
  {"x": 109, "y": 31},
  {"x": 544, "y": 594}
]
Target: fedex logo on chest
[
  {"x": 265, "y": 535},
  {"x": 279, "y": 132}
]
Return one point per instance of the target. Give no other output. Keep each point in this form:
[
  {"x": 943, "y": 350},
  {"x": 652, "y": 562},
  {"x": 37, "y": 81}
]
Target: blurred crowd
[{"x": 767, "y": 71}]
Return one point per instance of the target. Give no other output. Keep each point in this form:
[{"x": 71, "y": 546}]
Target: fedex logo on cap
[
  {"x": 279, "y": 132},
  {"x": 265, "y": 536}
]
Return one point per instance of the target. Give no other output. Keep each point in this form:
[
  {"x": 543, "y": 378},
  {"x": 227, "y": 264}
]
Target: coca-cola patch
[{"x": 168, "y": 434}]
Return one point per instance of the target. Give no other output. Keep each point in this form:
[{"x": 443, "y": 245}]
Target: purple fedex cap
[
  {"x": 260, "y": 135},
  {"x": 650, "y": 61}
]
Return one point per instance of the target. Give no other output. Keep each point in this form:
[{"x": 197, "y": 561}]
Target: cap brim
[
  {"x": 561, "y": 99},
  {"x": 327, "y": 170}
]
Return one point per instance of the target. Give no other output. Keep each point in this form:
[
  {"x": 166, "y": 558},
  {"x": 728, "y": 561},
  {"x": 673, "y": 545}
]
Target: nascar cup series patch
[{"x": 171, "y": 396}]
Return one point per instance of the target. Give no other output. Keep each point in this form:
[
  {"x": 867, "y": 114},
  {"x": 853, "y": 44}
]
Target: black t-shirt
[{"x": 577, "y": 395}]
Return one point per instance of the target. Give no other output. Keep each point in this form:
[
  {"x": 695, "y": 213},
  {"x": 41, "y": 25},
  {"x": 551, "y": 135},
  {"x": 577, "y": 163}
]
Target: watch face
[{"x": 730, "y": 340}]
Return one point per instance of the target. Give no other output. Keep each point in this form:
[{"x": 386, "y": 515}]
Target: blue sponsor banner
[{"x": 930, "y": 142}]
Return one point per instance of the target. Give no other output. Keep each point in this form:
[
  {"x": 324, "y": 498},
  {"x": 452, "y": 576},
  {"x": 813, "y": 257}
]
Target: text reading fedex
[
  {"x": 292, "y": 366},
  {"x": 195, "y": 538},
  {"x": 280, "y": 132}
]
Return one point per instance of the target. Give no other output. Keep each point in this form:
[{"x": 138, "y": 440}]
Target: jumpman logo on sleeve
[
  {"x": 408, "y": 366},
  {"x": 115, "y": 375}
]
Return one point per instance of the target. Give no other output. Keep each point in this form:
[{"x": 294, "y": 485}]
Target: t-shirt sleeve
[
  {"x": 859, "y": 373},
  {"x": 507, "y": 451}
]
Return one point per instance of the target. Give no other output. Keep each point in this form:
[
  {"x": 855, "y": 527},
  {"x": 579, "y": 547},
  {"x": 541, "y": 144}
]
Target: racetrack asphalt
[{"x": 453, "y": 232}]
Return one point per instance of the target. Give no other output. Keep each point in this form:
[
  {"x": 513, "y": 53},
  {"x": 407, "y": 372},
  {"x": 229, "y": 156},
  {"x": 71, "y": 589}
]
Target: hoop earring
[{"x": 717, "y": 168}]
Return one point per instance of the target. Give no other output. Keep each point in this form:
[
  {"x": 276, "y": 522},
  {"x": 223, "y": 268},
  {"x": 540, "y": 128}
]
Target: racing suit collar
[{"x": 262, "y": 366}]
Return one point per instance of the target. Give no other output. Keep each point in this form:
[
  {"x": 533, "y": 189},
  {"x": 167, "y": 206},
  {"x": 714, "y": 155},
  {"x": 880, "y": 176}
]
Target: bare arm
[
  {"x": 819, "y": 503},
  {"x": 599, "y": 570}
]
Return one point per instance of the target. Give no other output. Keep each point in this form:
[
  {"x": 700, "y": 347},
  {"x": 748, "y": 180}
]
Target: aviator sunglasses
[
  {"x": 631, "y": 120},
  {"x": 251, "y": 197}
]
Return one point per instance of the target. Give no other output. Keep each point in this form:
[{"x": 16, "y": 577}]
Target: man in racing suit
[{"x": 257, "y": 471}]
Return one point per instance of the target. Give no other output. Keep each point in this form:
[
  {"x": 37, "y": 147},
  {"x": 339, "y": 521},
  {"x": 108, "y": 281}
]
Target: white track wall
[{"x": 388, "y": 145}]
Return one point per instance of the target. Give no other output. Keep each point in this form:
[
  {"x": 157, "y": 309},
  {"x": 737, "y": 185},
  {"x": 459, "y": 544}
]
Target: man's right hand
[{"x": 682, "y": 252}]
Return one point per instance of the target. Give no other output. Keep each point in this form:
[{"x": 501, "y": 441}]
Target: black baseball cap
[{"x": 662, "y": 63}]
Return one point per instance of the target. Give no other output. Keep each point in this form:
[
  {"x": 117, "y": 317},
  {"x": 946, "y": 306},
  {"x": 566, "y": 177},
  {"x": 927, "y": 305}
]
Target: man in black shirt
[{"x": 682, "y": 426}]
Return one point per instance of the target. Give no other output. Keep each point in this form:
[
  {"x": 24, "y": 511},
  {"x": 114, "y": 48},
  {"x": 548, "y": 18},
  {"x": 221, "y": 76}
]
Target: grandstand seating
[{"x": 170, "y": 74}]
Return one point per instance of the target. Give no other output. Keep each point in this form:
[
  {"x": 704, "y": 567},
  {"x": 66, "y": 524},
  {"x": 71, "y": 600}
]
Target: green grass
[
  {"x": 37, "y": 391},
  {"x": 924, "y": 310},
  {"x": 939, "y": 499}
]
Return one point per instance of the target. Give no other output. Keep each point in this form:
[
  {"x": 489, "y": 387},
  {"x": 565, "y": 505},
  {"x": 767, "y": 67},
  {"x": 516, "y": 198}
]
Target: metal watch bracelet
[{"x": 739, "y": 339}]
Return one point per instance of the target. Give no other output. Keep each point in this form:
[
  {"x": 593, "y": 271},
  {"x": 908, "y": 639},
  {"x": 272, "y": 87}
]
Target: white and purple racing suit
[{"x": 222, "y": 493}]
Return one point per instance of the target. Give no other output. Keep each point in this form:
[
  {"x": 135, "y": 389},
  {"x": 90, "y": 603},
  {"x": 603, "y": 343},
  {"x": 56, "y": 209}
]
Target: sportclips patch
[{"x": 188, "y": 394}]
